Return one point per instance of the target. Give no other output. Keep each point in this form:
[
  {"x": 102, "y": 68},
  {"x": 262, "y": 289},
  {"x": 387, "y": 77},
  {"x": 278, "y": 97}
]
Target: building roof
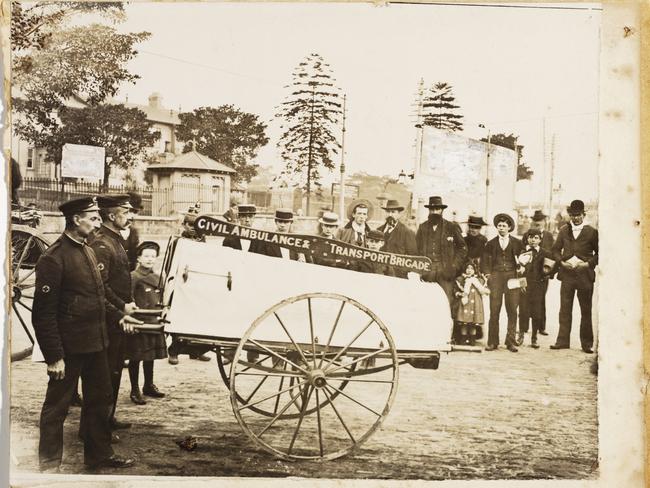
[
  {"x": 157, "y": 114},
  {"x": 192, "y": 161}
]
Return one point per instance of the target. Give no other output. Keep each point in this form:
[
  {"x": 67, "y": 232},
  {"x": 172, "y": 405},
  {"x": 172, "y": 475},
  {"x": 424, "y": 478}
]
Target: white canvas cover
[{"x": 415, "y": 313}]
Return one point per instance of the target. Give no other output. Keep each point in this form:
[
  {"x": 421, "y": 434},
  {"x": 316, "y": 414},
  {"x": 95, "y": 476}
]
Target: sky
[{"x": 528, "y": 71}]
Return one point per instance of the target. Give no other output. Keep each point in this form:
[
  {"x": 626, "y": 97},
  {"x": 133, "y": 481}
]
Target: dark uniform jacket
[
  {"x": 493, "y": 250},
  {"x": 70, "y": 309},
  {"x": 271, "y": 249},
  {"x": 233, "y": 242},
  {"x": 401, "y": 240},
  {"x": 584, "y": 247},
  {"x": 377, "y": 268},
  {"x": 475, "y": 246},
  {"x": 453, "y": 250},
  {"x": 114, "y": 267}
]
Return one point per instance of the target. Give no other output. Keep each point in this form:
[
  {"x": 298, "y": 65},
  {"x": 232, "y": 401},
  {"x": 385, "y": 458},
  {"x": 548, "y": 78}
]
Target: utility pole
[
  {"x": 550, "y": 199},
  {"x": 342, "y": 184},
  {"x": 419, "y": 141},
  {"x": 487, "y": 171}
]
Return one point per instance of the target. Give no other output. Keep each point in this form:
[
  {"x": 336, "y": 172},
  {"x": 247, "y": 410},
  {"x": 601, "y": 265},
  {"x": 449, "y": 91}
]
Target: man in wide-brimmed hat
[
  {"x": 474, "y": 239},
  {"x": 398, "y": 238},
  {"x": 576, "y": 252},
  {"x": 442, "y": 242},
  {"x": 356, "y": 230},
  {"x": 499, "y": 264}
]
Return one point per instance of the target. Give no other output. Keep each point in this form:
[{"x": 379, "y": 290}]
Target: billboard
[
  {"x": 80, "y": 161},
  {"x": 456, "y": 168}
]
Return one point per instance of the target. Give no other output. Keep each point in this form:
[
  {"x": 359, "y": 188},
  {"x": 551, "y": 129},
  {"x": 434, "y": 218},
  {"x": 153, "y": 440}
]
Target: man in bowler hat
[
  {"x": 113, "y": 264},
  {"x": 283, "y": 221},
  {"x": 245, "y": 215},
  {"x": 70, "y": 315},
  {"x": 499, "y": 264},
  {"x": 398, "y": 238},
  {"x": 576, "y": 252},
  {"x": 442, "y": 242}
]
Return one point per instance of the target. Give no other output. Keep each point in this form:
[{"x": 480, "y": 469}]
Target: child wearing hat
[
  {"x": 375, "y": 241},
  {"x": 470, "y": 286},
  {"x": 532, "y": 303},
  {"x": 145, "y": 348}
]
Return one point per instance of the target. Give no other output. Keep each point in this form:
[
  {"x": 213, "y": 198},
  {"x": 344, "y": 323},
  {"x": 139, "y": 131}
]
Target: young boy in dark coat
[
  {"x": 145, "y": 348},
  {"x": 375, "y": 241},
  {"x": 532, "y": 303}
]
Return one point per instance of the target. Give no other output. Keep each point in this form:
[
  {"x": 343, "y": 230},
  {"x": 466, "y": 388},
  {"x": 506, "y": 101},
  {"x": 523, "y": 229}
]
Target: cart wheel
[
  {"x": 26, "y": 247},
  {"x": 281, "y": 366},
  {"x": 266, "y": 360}
]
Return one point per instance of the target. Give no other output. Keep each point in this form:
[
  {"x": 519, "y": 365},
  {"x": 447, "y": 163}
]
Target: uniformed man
[
  {"x": 245, "y": 215},
  {"x": 69, "y": 316},
  {"x": 189, "y": 232},
  {"x": 399, "y": 239},
  {"x": 328, "y": 223},
  {"x": 115, "y": 211}
]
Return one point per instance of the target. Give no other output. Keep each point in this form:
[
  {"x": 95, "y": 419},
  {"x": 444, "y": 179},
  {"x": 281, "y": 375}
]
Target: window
[{"x": 30, "y": 158}]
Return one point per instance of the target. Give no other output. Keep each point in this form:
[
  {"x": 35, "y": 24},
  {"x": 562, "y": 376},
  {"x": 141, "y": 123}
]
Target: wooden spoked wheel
[
  {"x": 296, "y": 359},
  {"x": 267, "y": 361},
  {"x": 26, "y": 247}
]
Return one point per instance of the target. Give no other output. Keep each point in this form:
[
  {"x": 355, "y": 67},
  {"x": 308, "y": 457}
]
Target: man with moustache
[
  {"x": 398, "y": 238},
  {"x": 113, "y": 264},
  {"x": 442, "y": 242},
  {"x": 69, "y": 316},
  {"x": 576, "y": 252}
]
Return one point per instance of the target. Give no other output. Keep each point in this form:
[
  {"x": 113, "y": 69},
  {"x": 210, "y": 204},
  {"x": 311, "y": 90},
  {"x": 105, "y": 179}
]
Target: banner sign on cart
[{"x": 313, "y": 245}]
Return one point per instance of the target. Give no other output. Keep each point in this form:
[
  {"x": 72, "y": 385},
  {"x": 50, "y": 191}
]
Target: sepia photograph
[{"x": 321, "y": 241}]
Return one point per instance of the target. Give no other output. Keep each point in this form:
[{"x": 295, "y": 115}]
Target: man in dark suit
[
  {"x": 69, "y": 316},
  {"x": 245, "y": 215},
  {"x": 283, "y": 221},
  {"x": 540, "y": 222},
  {"x": 576, "y": 252},
  {"x": 474, "y": 239},
  {"x": 499, "y": 264},
  {"x": 115, "y": 211},
  {"x": 442, "y": 242},
  {"x": 398, "y": 238}
]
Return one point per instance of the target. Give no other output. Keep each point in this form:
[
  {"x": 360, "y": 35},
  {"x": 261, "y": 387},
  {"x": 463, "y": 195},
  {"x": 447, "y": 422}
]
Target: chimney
[{"x": 155, "y": 100}]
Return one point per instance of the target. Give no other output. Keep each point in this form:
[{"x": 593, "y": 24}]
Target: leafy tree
[
  {"x": 439, "y": 110},
  {"x": 310, "y": 114},
  {"x": 225, "y": 134},
  {"x": 125, "y": 133},
  {"x": 509, "y": 141},
  {"x": 32, "y": 25}
]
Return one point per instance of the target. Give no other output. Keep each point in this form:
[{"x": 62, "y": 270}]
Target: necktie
[{"x": 359, "y": 239}]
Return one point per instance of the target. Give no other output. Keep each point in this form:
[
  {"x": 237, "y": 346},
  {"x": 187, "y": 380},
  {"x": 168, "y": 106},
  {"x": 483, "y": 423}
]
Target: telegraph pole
[
  {"x": 419, "y": 141},
  {"x": 550, "y": 199},
  {"x": 342, "y": 184}
]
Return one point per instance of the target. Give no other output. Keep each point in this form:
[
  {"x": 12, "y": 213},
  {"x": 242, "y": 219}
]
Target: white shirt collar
[
  {"x": 359, "y": 229},
  {"x": 577, "y": 228}
]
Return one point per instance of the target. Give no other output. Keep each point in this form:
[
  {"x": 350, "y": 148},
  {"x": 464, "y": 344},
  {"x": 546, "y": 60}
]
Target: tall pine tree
[
  {"x": 310, "y": 114},
  {"x": 439, "y": 110}
]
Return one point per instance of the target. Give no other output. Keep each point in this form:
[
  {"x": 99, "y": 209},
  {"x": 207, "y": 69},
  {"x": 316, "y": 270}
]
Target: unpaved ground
[{"x": 487, "y": 415}]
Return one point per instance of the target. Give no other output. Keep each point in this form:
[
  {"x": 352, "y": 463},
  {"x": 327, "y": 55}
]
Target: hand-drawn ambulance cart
[{"x": 310, "y": 353}]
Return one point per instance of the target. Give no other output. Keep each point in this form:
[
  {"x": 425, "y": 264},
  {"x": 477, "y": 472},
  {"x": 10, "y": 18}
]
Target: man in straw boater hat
[
  {"x": 245, "y": 215},
  {"x": 499, "y": 264},
  {"x": 115, "y": 211},
  {"x": 576, "y": 252},
  {"x": 70, "y": 315},
  {"x": 474, "y": 239},
  {"x": 283, "y": 221},
  {"x": 398, "y": 238},
  {"x": 356, "y": 230},
  {"x": 442, "y": 242}
]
